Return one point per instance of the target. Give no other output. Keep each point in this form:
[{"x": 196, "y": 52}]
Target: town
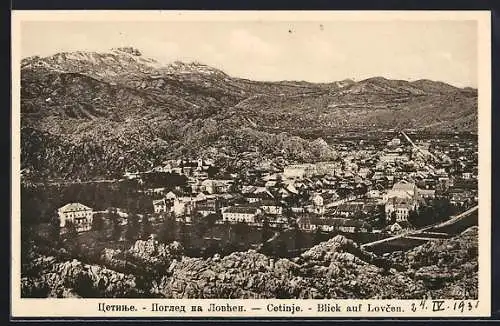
[{"x": 374, "y": 189}]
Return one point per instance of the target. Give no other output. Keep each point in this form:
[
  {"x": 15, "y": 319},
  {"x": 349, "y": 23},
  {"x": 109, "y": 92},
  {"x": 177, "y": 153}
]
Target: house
[
  {"x": 395, "y": 228},
  {"x": 160, "y": 206},
  {"x": 182, "y": 206},
  {"x": 394, "y": 142},
  {"x": 216, "y": 186},
  {"x": 206, "y": 209},
  {"x": 337, "y": 224},
  {"x": 296, "y": 209},
  {"x": 171, "y": 195},
  {"x": 459, "y": 197},
  {"x": 427, "y": 193},
  {"x": 132, "y": 175},
  {"x": 352, "y": 226},
  {"x": 291, "y": 189},
  {"x": 80, "y": 215},
  {"x": 318, "y": 204},
  {"x": 283, "y": 193},
  {"x": 235, "y": 214},
  {"x": 155, "y": 191},
  {"x": 391, "y": 157},
  {"x": 200, "y": 175},
  {"x": 374, "y": 193},
  {"x": 364, "y": 172},
  {"x": 271, "y": 207},
  {"x": 258, "y": 194},
  {"x": 378, "y": 176},
  {"x": 278, "y": 221},
  {"x": 305, "y": 223},
  {"x": 466, "y": 175},
  {"x": 270, "y": 184},
  {"x": 402, "y": 211},
  {"x": 167, "y": 168},
  {"x": 329, "y": 197}
]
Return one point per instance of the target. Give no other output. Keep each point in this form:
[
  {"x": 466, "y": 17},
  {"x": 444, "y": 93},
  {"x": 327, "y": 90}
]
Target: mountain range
[{"x": 87, "y": 115}]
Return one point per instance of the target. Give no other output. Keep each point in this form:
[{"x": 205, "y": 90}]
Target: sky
[{"x": 315, "y": 51}]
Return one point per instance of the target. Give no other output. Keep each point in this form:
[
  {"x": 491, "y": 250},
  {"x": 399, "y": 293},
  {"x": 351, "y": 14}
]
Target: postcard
[{"x": 251, "y": 164}]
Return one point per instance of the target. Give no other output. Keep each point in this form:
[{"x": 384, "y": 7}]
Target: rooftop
[
  {"x": 73, "y": 207},
  {"x": 242, "y": 210}
]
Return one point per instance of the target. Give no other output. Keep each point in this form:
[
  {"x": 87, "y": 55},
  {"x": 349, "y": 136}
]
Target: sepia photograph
[{"x": 237, "y": 156}]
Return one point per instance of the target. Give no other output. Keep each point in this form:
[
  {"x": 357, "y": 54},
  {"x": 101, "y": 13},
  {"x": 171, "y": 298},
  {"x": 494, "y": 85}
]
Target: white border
[{"x": 88, "y": 307}]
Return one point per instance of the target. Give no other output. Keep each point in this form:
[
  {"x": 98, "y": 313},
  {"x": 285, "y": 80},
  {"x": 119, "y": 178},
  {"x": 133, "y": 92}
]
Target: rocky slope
[
  {"x": 107, "y": 112},
  {"x": 337, "y": 268}
]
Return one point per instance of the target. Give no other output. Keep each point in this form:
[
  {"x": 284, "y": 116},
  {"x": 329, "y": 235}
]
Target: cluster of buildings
[
  {"x": 197, "y": 168},
  {"x": 369, "y": 181}
]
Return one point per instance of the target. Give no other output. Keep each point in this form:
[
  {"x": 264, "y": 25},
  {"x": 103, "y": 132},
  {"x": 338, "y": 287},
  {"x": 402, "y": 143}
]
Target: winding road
[{"x": 414, "y": 233}]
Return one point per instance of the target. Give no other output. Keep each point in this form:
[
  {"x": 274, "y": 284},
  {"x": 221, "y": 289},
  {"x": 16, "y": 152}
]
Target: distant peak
[
  {"x": 348, "y": 81},
  {"x": 130, "y": 50},
  {"x": 190, "y": 67},
  {"x": 376, "y": 79}
]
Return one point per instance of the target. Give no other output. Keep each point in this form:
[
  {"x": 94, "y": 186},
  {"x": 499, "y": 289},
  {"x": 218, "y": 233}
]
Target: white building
[
  {"x": 170, "y": 195},
  {"x": 394, "y": 142},
  {"x": 318, "y": 204},
  {"x": 240, "y": 214},
  {"x": 400, "y": 208},
  {"x": 182, "y": 206},
  {"x": 216, "y": 186},
  {"x": 427, "y": 193},
  {"x": 80, "y": 215},
  {"x": 160, "y": 206},
  {"x": 270, "y": 207}
]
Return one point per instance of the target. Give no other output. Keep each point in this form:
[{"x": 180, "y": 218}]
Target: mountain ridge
[
  {"x": 121, "y": 100},
  {"x": 124, "y": 54}
]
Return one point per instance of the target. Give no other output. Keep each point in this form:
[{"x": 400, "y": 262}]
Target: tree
[
  {"x": 183, "y": 235},
  {"x": 392, "y": 217},
  {"x": 241, "y": 230},
  {"x": 146, "y": 228},
  {"x": 132, "y": 227},
  {"x": 287, "y": 212},
  {"x": 97, "y": 223},
  {"x": 211, "y": 219},
  {"x": 266, "y": 230},
  {"x": 380, "y": 220},
  {"x": 359, "y": 215},
  {"x": 167, "y": 231},
  {"x": 235, "y": 186},
  {"x": 426, "y": 216},
  {"x": 197, "y": 217},
  {"x": 297, "y": 235},
  {"x": 212, "y": 171},
  {"x": 317, "y": 236},
  {"x": 55, "y": 230},
  {"x": 72, "y": 235},
  {"x": 116, "y": 230},
  {"x": 280, "y": 248},
  {"x": 413, "y": 217},
  {"x": 71, "y": 231}
]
